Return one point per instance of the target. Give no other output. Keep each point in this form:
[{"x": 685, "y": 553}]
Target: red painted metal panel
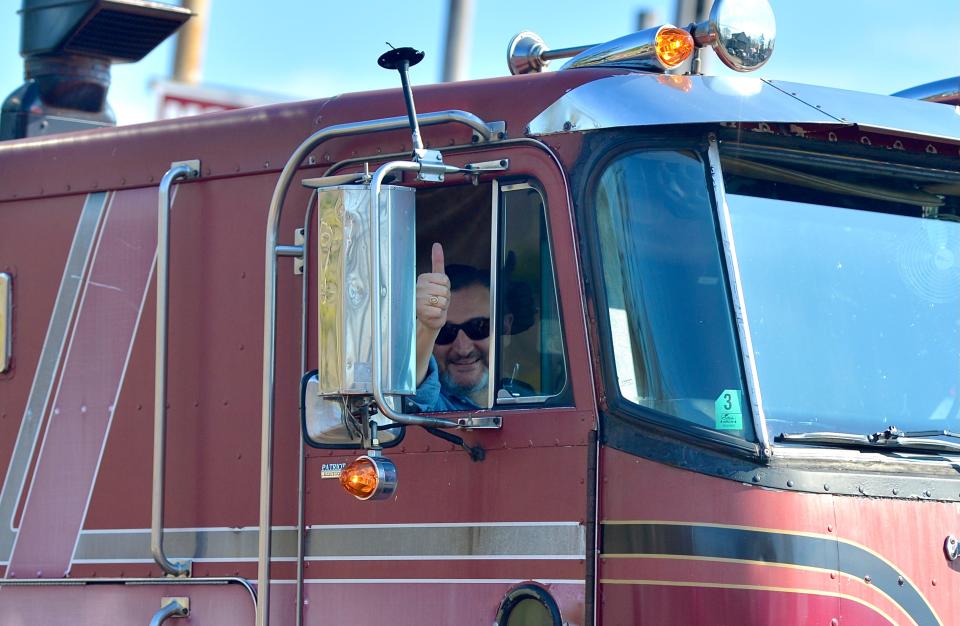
[
  {"x": 260, "y": 139},
  {"x": 210, "y": 605},
  {"x": 872, "y": 543},
  {"x": 653, "y": 605},
  {"x": 705, "y": 499},
  {"x": 36, "y": 271},
  {"x": 910, "y": 535},
  {"x": 535, "y": 469},
  {"x": 415, "y": 604},
  {"x": 95, "y": 361}
]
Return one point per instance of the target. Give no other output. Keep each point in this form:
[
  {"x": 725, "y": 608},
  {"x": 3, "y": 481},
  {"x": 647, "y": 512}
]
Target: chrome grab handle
[
  {"x": 486, "y": 133},
  {"x": 382, "y": 405},
  {"x": 171, "y": 607},
  {"x": 177, "y": 171}
]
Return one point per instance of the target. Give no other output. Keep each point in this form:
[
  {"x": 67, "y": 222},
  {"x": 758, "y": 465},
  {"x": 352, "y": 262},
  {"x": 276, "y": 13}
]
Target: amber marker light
[
  {"x": 673, "y": 46},
  {"x": 369, "y": 478}
]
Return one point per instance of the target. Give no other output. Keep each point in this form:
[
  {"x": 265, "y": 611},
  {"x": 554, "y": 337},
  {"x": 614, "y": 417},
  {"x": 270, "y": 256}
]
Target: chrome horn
[{"x": 741, "y": 32}]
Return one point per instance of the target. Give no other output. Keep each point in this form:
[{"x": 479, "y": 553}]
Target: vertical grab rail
[{"x": 177, "y": 171}]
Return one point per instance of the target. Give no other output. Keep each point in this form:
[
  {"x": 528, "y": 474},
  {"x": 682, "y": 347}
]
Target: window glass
[
  {"x": 530, "y": 358},
  {"x": 668, "y": 313},
  {"x": 852, "y": 290}
]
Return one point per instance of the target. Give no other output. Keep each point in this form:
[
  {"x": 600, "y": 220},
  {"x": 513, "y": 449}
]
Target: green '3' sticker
[{"x": 728, "y": 410}]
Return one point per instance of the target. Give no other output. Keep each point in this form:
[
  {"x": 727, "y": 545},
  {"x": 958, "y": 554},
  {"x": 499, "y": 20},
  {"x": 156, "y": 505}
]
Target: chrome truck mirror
[
  {"x": 741, "y": 32},
  {"x": 344, "y": 313},
  {"x": 328, "y": 422}
]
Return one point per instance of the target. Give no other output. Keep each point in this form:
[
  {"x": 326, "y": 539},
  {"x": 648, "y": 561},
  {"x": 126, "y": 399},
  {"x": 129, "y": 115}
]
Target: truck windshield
[{"x": 851, "y": 282}]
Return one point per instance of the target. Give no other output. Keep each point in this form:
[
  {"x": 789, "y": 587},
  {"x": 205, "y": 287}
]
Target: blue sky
[{"x": 313, "y": 48}]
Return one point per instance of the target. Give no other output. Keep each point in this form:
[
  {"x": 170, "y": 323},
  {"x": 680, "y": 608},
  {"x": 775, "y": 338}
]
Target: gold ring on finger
[{"x": 434, "y": 299}]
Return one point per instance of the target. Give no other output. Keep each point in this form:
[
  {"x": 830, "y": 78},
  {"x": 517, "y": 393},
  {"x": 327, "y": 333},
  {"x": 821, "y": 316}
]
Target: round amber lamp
[
  {"x": 673, "y": 45},
  {"x": 359, "y": 478}
]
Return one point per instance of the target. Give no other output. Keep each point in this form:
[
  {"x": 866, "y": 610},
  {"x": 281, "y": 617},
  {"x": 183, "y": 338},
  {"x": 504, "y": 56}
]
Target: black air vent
[{"x": 120, "y": 36}]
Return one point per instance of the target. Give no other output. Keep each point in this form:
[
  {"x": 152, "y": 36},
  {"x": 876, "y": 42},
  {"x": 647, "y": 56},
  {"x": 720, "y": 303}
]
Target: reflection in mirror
[
  {"x": 326, "y": 422},
  {"x": 742, "y": 33}
]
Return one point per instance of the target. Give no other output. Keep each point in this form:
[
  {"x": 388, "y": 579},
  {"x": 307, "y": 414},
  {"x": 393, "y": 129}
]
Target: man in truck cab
[{"x": 452, "y": 337}]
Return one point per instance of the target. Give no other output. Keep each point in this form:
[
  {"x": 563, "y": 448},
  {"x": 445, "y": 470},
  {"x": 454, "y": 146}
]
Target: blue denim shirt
[{"x": 431, "y": 397}]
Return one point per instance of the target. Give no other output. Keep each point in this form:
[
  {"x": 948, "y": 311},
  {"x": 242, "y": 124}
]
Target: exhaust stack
[{"x": 68, "y": 47}]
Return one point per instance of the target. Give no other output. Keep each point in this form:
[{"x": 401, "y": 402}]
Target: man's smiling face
[{"x": 463, "y": 364}]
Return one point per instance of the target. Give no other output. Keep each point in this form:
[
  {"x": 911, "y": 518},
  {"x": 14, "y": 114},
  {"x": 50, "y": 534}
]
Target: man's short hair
[
  {"x": 518, "y": 300},
  {"x": 463, "y": 276}
]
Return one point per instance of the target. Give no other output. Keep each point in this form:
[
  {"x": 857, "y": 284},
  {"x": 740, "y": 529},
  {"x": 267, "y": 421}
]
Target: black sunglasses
[{"x": 476, "y": 329}]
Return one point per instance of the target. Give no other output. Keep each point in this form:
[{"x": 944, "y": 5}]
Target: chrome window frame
[
  {"x": 494, "y": 282},
  {"x": 620, "y": 416},
  {"x": 495, "y": 267},
  {"x": 728, "y": 249}
]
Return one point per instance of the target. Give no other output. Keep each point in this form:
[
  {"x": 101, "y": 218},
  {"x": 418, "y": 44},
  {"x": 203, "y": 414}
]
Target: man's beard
[{"x": 451, "y": 386}]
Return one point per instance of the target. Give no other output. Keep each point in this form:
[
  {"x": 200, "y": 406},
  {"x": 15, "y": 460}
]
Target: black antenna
[{"x": 402, "y": 59}]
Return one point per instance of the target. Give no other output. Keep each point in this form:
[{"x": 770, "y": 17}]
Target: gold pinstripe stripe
[
  {"x": 805, "y": 568},
  {"x": 786, "y": 532},
  {"x": 815, "y": 592}
]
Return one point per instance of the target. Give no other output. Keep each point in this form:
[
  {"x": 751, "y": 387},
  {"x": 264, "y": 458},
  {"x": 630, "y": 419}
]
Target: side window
[
  {"x": 529, "y": 351},
  {"x": 501, "y": 344}
]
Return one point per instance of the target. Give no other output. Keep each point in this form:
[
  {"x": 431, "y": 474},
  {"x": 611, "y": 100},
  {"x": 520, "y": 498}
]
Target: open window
[
  {"x": 502, "y": 345},
  {"x": 524, "y": 356}
]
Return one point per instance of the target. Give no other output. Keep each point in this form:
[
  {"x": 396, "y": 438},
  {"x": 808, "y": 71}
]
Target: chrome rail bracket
[
  {"x": 951, "y": 548},
  {"x": 429, "y": 157},
  {"x": 298, "y": 261},
  {"x": 6, "y": 320},
  {"x": 171, "y": 607},
  {"x": 473, "y": 170},
  {"x": 193, "y": 164},
  {"x": 478, "y": 423},
  {"x": 498, "y": 132}
]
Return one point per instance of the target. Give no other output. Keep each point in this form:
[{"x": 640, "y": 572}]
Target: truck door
[{"x": 497, "y": 525}]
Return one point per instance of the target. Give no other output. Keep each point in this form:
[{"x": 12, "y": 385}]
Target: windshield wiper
[{"x": 892, "y": 438}]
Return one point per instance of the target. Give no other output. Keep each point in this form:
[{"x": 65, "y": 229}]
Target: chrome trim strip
[
  {"x": 80, "y": 582},
  {"x": 739, "y": 304},
  {"x": 63, "y": 309},
  {"x": 660, "y": 100},
  {"x": 437, "y": 581},
  {"x": 874, "y": 112},
  {"x": 940, "y": 91},
  {"x": 561, "y": 540},
  {"x": 493, "y": 366}
]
